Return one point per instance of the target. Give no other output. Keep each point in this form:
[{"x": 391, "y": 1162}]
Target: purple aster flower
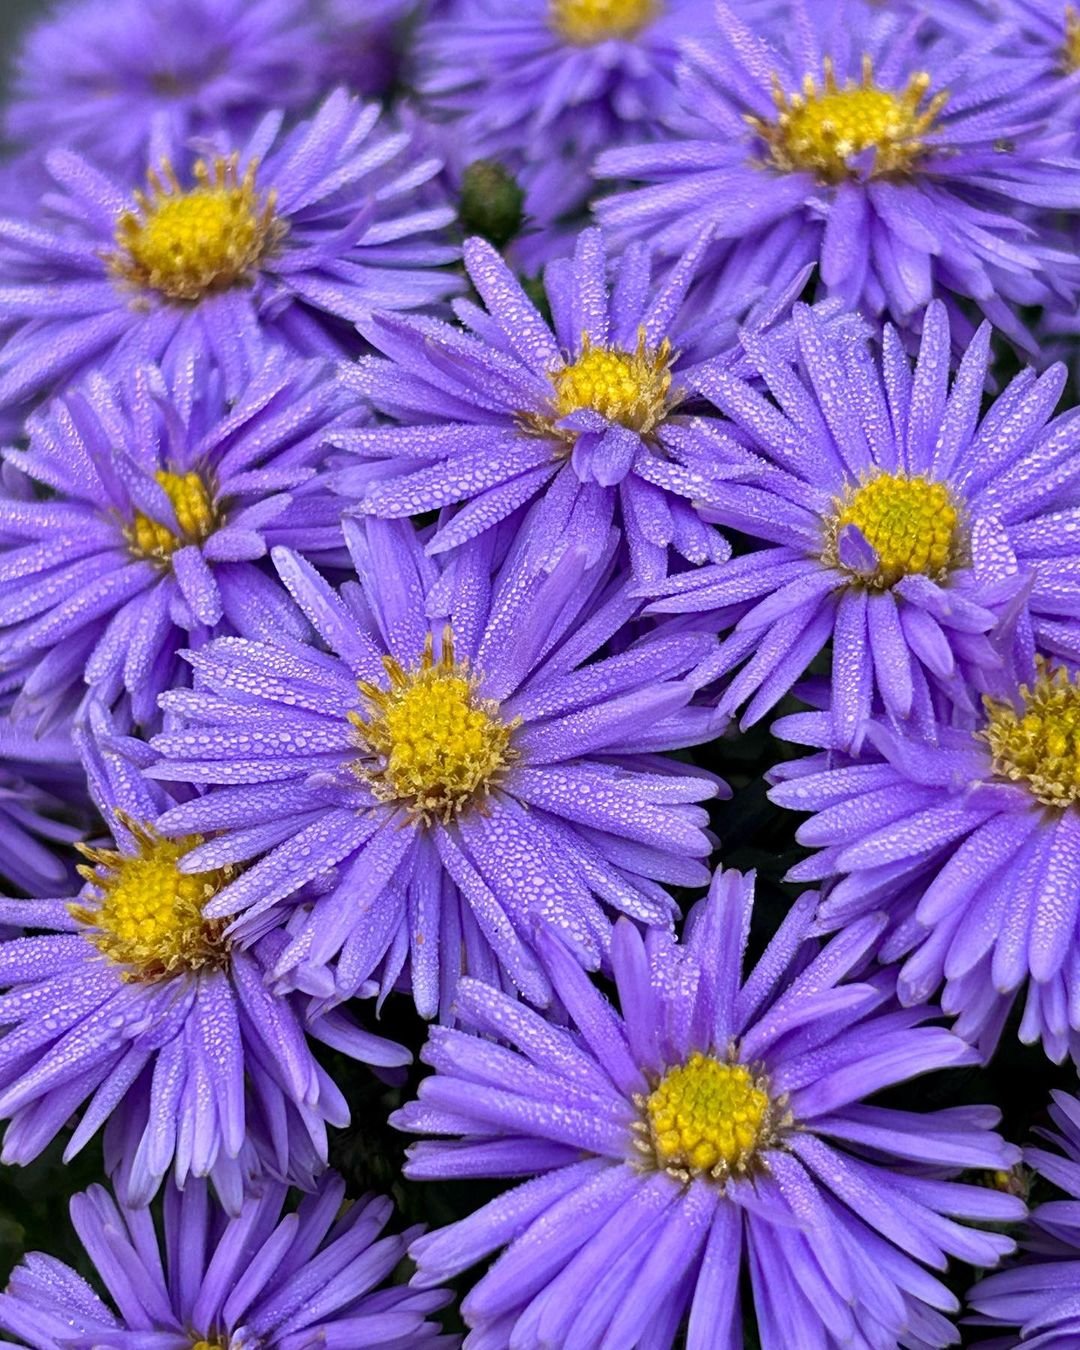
[
  {"x": 124, "y": 78},
  {"x": 43, "y": 809},
  {"x": 462, "y": 761},
  {"x": 1039, "y": 1295},
  {"x": 715, "y": 1126},
  {"x": 132, "y": 1009},
  {"x": 290, "y": 237},
  {"x": 544, "y": 85},
  {"x": 164, "y": 495},
  {"x": 971, "y": 843},
  {"x": 592, "y": 416},
  {"x": 261, "y": 1279},
  {"x": 893, "y": 517},
  {"x": 362, "y": 43},
  {"x": 908, "y": 166}
]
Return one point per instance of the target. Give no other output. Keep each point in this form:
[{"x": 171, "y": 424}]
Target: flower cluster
[{"x": 439, "y": 437}]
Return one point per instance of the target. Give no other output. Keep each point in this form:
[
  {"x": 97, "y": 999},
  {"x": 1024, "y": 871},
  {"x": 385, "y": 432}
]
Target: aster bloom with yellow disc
[
  {"x": 1038, "y": 1296},
  {"x": 461, "y": 762},
  {"x": 711, "y": 1133},
  {"x": 970, "y": 842},
  {"x": 908, "y": 163},
  {"x": 165, "y": 497},
  {"x": 119, "y": 79},
  {"x": 593, "y": 417},
  {"x": 544, "y": 85},
  {"x": 287, "y": 237},
  {"x": 131, "y": 1008},
  {"x": 267, "y": 1278},
  {"x": 929, "y": 541}
]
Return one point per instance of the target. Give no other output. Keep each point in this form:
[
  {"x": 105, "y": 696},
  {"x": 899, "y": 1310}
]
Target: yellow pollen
[
  {"x": 911, "y": 523},
  {"x": 185, "y": 245},
  {"x": 821, "y": 130},
  {"x": 195, "y": 514},
  {"x": 1071, "y": 52},
  {"x": 438, "y": 745},
  {"x": 149, "y": 918},
  {"x": 631, "y": 388},
  {"x": 1039, "y": 743},
  {"x": 708, "y": 1116},
  {"x": 587, "y": 21}
]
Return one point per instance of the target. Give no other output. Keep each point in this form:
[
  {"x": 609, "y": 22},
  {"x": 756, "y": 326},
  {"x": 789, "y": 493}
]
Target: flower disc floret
[
  {"x": 1071, "y": 50},
  {"x": 193, "y": 505},
  {"x": 438, "y": 744},
  {"x": 632, "y": 388},
  {"x": 185, "y": 245},
  {"x": 150, "y": 918},
  {"x": 910, "y": 522},
  {"x": 708, "y": 1116},
  {"x": 823, "y": 129},
  {"x": 588, "y": 21},
  {"x": 1038, "y": 744}
]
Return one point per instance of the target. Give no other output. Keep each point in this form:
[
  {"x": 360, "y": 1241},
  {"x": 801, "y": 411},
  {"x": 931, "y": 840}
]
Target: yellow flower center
[
  {"x": 708, "y": 1116},
  {"x": 631, "y": 388},
  {"x": 150, "y": 915},
  {"x": 185, "y": 245},
  {"x": 1071, "y": 53},
  {"x": 587, "y": 21},
  {"x": 1039, "y": 745},
  {"x": 437, "y": 744},
  {"x": 195, "y": 514},
  {"x": 821, "y": 130},
  {"x": 911, "y": 523}
]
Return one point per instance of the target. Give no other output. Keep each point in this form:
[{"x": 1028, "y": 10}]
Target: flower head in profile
[
  {"x": 930, "y": 541},
  {"x": 545, "y": 85},
  {"x": 714, "y": 1129},
  {"x": 459, "y": 762},
  {"x": 970, "y": 842},
  {"x": 119, "y": 79},
  {"x": 592, "y": 417},
  {"x": 909, "y": 166},
  {"x": 287, "y": 237},
  {"x": 133, "y": 1009},
  {"x": 265, "y": 1278},
  {"x": 164, "y": 497},
  {"x": 1038, "y": 1296}
]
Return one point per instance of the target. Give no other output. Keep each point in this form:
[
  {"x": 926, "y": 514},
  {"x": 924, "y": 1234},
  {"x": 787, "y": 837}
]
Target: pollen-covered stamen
[
  {"x": 585, "y": 22},
  {"x": 708, "y": 1117},
  {"x": 148, "y": 915},
  {"x": 185, "y": 245},
  {"x": 193, "y": 505},
  {"x": 822, "y": 130},
  {"x": 438, "y": 745},
  {"x": 912, "y": 524},
  {"x": 631, "y": 388},
  {"x": 1038, "y": 742}
]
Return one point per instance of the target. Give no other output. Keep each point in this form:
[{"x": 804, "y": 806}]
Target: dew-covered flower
[
  {"x": 545, "y": 85},
  {"x": 971, "y": 843},
  {"x": 1038, "y": 1296},
  {"x": 43, "y": 809},
  {"x": 266, "y": 1278},
  {"x": 121, "y": 79},
  {"x": 289, "y": 236},
  {"x": 715, "y": 1130},
  {"x": 164, "y": 496},
  {"x": 594, "y": 413},
  {"x": 469, "y": 756},
  {"x": 132, "y": 1008},
  {"x": 907, "y": 165},
  {"x": 893, "y": 517}
]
